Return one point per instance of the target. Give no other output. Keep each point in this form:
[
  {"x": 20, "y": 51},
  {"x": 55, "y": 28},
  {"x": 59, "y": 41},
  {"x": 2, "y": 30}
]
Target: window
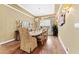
[{"x": 45, "y": 22}]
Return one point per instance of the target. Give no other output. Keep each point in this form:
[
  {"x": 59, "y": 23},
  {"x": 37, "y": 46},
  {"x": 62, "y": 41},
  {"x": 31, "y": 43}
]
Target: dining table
[{"x": 35, "y": 33}]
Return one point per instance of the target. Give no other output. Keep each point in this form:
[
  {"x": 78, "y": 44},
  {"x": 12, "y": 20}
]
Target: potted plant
[{"x": 55, "y": 28}]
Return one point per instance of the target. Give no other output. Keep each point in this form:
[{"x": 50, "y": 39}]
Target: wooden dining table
[{"x": 35, "y": 33}]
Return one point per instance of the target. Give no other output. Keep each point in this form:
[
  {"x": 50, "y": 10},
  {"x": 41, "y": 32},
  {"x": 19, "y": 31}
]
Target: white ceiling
[{"x": 39, "y": 9}]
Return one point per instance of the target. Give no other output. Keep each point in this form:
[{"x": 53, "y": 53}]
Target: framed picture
[{"x": 61, "y": 19}]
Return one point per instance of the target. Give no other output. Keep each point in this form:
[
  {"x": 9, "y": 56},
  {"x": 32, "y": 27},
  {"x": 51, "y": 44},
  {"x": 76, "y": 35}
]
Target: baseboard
[
  {"x": 63, "y": 44},
  {"x": 6, "y": 41}
]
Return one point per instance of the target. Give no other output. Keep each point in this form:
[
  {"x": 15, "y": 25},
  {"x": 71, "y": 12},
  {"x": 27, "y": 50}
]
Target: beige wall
[
  {"x": 8, "y": 19},
  {"x": 68, "y": 34},
  {"x": 57, "y": 7}
]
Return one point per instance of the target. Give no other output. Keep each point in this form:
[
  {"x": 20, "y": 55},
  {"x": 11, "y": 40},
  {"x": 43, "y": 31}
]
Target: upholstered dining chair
[
  {"x": 43, "y": 36},
  {"x": 28, "y": 43},
  {"x": 45, "y": 33}
]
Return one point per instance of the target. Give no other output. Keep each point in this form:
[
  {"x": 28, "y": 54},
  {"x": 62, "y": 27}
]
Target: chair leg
[{"x": 42, "y": 42}]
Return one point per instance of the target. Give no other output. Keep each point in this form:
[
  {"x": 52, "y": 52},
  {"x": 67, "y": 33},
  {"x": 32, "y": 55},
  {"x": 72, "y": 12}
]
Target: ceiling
[{"x": 39, "y": 9}]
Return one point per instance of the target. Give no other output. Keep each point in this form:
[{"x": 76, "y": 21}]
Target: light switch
[{"x": 76, "y": 25}]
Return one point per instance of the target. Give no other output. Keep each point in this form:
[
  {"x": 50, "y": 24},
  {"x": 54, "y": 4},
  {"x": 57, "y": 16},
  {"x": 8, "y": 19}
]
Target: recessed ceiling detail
[{"x": 39, "y": 9}]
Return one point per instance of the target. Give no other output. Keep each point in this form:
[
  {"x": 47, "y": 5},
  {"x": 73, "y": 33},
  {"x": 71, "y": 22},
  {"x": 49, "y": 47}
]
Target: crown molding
[
  {"x": 18, "y": 10},
  {"x": 25, "y": 9}
]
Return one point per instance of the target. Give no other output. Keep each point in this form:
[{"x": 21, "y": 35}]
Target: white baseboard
[
  {"x": 6, "y": 41},
  {"x": 63, "y": 45}
]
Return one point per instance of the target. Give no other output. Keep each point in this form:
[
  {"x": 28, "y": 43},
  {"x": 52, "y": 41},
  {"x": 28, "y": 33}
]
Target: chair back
[{"x": 24, "y": 34}]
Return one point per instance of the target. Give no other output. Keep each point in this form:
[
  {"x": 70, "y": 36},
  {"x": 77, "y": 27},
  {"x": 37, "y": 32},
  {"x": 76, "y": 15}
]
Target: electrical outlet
[{"x": 67, "y": 49}]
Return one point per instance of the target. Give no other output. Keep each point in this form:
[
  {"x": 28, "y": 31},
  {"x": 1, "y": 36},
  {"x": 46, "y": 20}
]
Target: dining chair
[
  {"x": 28, "y": 43},
  {"x": 43, "y": 37}
]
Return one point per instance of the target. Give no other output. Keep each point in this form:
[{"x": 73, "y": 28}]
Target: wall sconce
[{"x": 66, "y": 8}]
